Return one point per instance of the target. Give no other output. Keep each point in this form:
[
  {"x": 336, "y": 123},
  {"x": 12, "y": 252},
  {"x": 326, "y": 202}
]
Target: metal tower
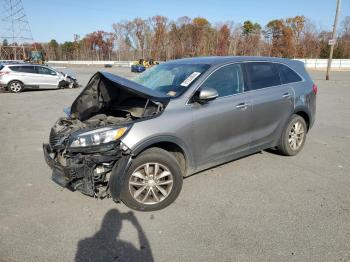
[{"x": 14, "y": 29}]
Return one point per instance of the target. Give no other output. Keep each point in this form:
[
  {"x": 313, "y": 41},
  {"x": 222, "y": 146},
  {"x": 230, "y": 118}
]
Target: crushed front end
[
  {"x": 86, "y": 169},
  {"x": 85, "y": 148}
]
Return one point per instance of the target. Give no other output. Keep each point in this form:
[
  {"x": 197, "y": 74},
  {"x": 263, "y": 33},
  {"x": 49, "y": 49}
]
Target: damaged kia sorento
[{"x": 134, "y": 141}]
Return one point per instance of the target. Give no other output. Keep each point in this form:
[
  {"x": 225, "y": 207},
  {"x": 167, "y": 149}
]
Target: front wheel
[
  {"x": 293, "y": 136},
  {"x": 153, "y": 181}
]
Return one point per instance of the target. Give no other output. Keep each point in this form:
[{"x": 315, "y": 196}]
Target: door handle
[
  {"x": 286, "y": 95},
  {"x": 242, "y": 106}
]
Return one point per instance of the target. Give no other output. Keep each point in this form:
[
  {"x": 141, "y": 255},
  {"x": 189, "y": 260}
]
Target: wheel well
[
  {"x": 175, "y": 150},
  {"x": 305, "y": 116},
  {"x": 8, "y": 85}
]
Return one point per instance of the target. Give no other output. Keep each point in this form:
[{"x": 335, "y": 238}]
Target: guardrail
[
  {"x": 322, "y": 63},
  {"x": 77, "y": 62},
  {"x": 309, "y": 63}
]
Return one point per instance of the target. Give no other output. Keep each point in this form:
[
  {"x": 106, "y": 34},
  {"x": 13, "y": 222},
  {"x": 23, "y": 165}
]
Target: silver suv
[
  {"x": 134, "y": 141},
  {"x": 19, "y": 76}
]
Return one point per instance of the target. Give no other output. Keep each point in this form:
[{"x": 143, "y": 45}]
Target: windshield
[{"x": 171, "y": 79}]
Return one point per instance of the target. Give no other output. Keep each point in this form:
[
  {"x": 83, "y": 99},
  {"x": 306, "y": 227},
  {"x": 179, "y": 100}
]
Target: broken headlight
[{"x": 98, "y": 136}]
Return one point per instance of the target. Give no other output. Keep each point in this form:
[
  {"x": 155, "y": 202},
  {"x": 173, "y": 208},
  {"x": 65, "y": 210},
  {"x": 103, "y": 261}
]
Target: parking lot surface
[{"x": 264, "y": 207}]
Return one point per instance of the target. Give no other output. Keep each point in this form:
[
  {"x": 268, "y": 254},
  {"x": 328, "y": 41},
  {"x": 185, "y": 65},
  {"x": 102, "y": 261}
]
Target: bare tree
[
  {"x": 140, "y": 29},
  {"x": 159, "y": 26},
  {"x": 158, "y": 38}
]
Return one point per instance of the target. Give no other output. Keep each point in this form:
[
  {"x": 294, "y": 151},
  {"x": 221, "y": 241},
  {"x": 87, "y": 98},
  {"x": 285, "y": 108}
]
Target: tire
[
  {"x": 161, "y": 187},
  {"x": 293, "y": 136},
  {"x": 15, "y": 86}
]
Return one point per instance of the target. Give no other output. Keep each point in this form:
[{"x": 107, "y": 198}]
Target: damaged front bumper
[
  {"x": 60, "y": 174},
  {"x": 89, "y": 171}
]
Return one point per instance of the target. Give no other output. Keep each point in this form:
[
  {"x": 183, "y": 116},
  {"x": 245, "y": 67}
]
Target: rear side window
[
  {"x": 1, "y": 67},
  {"x": 262, "y": 74},
  {"x": 288, "y": 75},
  {"x": 23, "y": 69},
  {"x": 227, "y": 80},
  {"x": 15, "y": 68}
]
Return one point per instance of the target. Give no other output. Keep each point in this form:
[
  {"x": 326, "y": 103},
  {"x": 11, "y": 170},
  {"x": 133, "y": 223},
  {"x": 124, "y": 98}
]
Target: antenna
[{"x": 15, "y": 31}]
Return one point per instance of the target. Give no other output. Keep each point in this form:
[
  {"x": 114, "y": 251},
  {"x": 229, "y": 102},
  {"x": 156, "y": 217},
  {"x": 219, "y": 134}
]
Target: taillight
[{"x": 314, "y": 88}]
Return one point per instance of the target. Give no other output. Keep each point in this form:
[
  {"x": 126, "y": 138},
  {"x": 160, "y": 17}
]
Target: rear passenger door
[
  {"x": 272, "y": 101},
  {"x": 46, "y": 77},
  {"x": 24, "y": 73}
]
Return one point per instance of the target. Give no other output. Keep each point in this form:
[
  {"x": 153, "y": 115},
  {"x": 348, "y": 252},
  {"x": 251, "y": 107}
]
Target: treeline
[{"x": 161, "y": 39}]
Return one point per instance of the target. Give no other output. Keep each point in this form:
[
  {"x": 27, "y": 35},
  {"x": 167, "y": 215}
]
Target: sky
[{"x": 61, "y": 19}]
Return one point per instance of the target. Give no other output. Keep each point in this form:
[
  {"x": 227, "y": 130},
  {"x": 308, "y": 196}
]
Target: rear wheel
[
  {"x": 293, "y": 137},
  {"x": 15, "y": 86},
  {"x": 153, "y": 181}
]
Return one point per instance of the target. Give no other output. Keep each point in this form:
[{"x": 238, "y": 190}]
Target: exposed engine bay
[{"x": 85, "y": 146}]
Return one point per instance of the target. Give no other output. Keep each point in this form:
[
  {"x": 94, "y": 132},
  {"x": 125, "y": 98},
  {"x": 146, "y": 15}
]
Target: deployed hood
[{"x": 105, "y": 90}]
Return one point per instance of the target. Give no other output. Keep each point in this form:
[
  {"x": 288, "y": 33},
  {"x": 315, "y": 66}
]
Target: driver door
[{"x": 221, "y": 127}]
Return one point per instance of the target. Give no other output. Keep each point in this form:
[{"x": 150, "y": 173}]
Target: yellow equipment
[{"x": 146, "y": 63}]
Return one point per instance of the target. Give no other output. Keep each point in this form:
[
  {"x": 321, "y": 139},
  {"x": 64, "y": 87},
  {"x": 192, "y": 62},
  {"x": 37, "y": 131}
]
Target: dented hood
[
  {"x": 103, "y": 88},
  {"x": 134, "y": 87}
]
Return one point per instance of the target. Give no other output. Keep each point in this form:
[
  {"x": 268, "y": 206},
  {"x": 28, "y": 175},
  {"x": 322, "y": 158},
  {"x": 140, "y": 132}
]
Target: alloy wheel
[
  {"x": 150, "y": 183},
  {"x": 296, "y": 135},
  {"x": 15, "y": 87}
]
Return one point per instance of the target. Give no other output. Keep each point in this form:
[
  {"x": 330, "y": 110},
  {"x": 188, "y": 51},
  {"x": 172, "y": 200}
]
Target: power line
[{"x": 15, "y": 29}]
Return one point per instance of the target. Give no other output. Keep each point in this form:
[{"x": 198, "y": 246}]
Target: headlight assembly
[{"x": 98, "y": 136}]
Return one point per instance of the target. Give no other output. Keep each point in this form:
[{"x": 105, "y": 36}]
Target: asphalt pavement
[{"x": 263, "y": 207}]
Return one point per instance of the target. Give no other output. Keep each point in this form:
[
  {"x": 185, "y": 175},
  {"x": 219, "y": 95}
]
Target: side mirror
[{"x": 206, "y": 94}]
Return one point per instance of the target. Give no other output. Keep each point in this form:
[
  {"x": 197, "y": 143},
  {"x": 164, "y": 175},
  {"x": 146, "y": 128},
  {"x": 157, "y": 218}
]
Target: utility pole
[{"x": 332, "y": 41}]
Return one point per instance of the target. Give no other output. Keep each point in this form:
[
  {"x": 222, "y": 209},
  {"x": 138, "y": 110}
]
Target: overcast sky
[{"x": 61, "y": 19}]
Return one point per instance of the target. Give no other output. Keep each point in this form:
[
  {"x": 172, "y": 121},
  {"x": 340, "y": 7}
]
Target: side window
[
  {"x": 262, "y": 74},
  {"x": 23, "y": 69},
  {"x": 227, "y": 80},
  {"x": 27, "y": 69},
  {"x": 15, "y": 68},
  {"x": 288, "y": 75},
  {"x": 45, "y": 71}
]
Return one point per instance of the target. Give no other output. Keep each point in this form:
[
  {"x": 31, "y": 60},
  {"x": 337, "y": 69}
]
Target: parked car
[
  {"x": 134, "y": 141},
  {"x": 16, "y": 77},
  {"x": 137, "y": 68}
]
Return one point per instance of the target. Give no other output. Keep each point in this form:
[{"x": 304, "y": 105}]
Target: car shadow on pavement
[{"x": 106, "y": 246}]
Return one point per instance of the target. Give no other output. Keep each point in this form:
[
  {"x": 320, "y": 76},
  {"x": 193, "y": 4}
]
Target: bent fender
[{"x": 118, "y": 175}]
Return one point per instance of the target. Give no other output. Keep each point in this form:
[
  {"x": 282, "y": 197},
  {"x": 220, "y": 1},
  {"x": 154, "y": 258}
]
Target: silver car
[
  {"x": 134, "y": 141},
  {"x": 19, "y": 76}
]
